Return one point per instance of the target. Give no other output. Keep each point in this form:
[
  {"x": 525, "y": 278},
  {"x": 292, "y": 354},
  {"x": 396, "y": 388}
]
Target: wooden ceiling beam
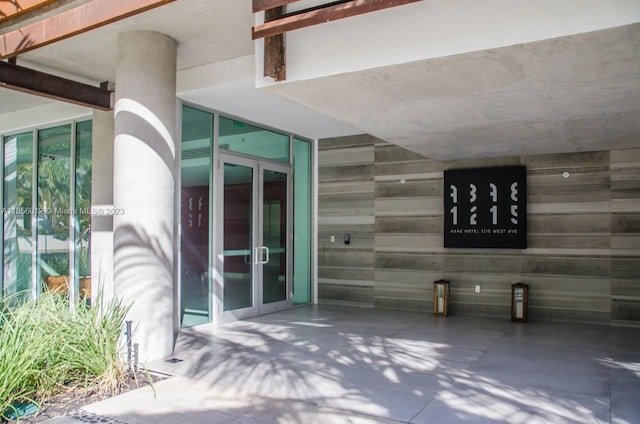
[
  {"x": 11, "y": 8},
  {"x": 27, "y": 80},
  {"x": 71, "y": 22},
  {"x": 274, "y": 49},
  {"x": 261, "y": 5},
  {"x": 321, "y": 15}
]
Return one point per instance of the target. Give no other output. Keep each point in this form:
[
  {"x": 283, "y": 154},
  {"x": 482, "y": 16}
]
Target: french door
[{"x": 253, "y": 241}]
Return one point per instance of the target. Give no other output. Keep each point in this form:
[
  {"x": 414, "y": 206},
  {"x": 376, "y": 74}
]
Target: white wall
[
  {"x": 41, "y": 116},
  {"x": 437, "y": 28}
]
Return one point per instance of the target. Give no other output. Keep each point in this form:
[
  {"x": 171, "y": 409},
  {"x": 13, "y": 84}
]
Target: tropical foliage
[{"x": 49, "y": 346}]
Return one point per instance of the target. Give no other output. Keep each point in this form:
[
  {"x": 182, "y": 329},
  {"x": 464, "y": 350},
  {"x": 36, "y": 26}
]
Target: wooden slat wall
[
  {"x": 583, "y": 260},
  {"x": 625, "y": 235},
  {"x": 567, "y": 262},
  {"x": 346, "y": 205},
  {"x": 408, "y": 219}
]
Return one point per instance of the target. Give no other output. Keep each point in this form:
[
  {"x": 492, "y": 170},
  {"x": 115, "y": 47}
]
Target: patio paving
[{"x": 330, "y": 364}]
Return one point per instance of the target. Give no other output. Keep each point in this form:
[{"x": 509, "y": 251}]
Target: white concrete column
[
  {"x": 143, "y": 190},
  {"x": 102, "y": 195}
]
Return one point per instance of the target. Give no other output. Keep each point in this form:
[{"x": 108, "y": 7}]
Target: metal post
[{"x": 129, "y": 347}]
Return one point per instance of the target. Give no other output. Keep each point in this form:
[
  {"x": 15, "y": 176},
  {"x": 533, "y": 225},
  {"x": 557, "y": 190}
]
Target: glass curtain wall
[
  {"x": 240, "y": 137},
  {"x": 197, "y": 142},
  {"x": 82, "y": 221},
  {"x": 196, "y": 204},
  {"x": 302, "y": 191},
  {"x": 40, "y": 219},
  {"x": 18, "y": 210},
  {"x": 53, "y": 200}
]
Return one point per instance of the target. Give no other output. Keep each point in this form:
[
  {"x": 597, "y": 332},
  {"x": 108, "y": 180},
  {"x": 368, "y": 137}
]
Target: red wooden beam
[
  {"x": 75, "y": 21},
  {"x": 12, "y": 8},
  {"x": 322, "y": 15},
  {"x": 260, "y": 5},
  {"x": 42, "y": 84}
]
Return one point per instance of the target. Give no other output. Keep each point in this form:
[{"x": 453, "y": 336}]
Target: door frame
[{"x": 257, "y": 308}]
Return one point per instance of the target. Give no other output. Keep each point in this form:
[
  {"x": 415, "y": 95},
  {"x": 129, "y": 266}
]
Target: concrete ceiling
[
  {"x": 13, "y": 100},
  {"x": 574, "y": 93},
  {"x": 206, "y": 31}
]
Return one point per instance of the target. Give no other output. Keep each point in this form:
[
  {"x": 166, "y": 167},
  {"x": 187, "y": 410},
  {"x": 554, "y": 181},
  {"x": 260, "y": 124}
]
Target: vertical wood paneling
[{"x": 583, "y": 259}]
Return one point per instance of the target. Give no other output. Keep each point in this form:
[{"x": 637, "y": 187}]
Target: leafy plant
[
  {"x": 20, "y": 373},
  {"x": 48, "y": 345},
  {"x": 92, "y": 353}
]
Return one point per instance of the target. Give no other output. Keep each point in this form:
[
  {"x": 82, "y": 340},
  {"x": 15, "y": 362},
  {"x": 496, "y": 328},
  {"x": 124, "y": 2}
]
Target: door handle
[{"x": 261, "y": 257}]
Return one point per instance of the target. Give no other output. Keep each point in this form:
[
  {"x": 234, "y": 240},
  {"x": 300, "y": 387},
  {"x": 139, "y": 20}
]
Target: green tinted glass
[
  {"x": 19, "y": 211},
  {"x": 54, "y": 208},
  {"x": 84, "y": 132},
  {"x": 302, "y": 222},
  {"x": 237, "y": 136},
  {"x": 197, "y": 133}
]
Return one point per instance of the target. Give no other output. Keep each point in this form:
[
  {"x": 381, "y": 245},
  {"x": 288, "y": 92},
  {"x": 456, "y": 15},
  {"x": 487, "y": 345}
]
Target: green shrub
[
  {"x": 49, "y": 345},
  {"x": 92, "y": 353},
  {"x": 21, "y": 355}
]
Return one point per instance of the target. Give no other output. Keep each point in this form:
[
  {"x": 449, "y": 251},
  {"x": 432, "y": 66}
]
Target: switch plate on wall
[
  {"x": 333, "y": 239},
  {"x": 477, "y": 289}
]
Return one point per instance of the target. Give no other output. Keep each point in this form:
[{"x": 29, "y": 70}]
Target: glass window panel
[
  {"x": 274, "y": 236},
  {"x": 18, "y": 212},
  {"x": 197, "y": 133},
  {"x": 54, "y": 157},
  {"x": 302, "y": 222},
  {"x": 82, "y": 208},
  {"x": 240, "y": 137}
]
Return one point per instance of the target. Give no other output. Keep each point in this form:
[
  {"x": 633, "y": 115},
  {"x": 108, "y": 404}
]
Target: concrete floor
[{"x": 332, "y": 364}]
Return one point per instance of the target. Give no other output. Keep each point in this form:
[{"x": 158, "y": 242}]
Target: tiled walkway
[{"x": 333, "y": 365}]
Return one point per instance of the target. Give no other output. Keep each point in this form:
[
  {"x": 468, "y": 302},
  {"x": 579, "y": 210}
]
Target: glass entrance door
[
  {"x": 253, "y": 247},
  {"x": 274, "y": 237},
  {"x": 238, "y": 237}
]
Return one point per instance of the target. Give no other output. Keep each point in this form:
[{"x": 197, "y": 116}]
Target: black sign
[{"x": 486, "y": 207}]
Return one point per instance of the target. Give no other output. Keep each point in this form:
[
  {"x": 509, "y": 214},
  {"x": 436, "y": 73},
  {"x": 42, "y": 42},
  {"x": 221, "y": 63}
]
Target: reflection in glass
[
  {"x": 274, "y": 230},
  {"x": 238, "y": 240},
  {"x": 240, "y": 137},
  {"x": 302, "y": 222},
  {"x": 18, "y": 212},
  {"x": 54, "y": 209},
  {"x": 82, "y": 208},
  {"x": 197, "y": 133}
]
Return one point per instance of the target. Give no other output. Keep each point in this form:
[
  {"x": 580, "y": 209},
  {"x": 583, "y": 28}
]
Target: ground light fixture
[
  {"x": 519, "y": 301},
  {"x": 441, "y": 297}
]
